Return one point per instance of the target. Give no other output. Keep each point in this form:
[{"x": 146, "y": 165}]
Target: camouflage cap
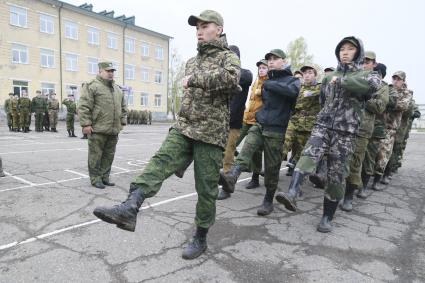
[
  {"x": 329, "y": 69},
  {"x": 276, "y": 52},
  {"x": 106, "y": 66},
  {"x": 11, "y": 93},
  {"x": 400, "y": 74},
  {"x": 298, "y": 72},
  {"x": 208, "y": 16},
  {"x": 262, "y": 61},
  {"x": 306, "y": 67},
  {"x": 370, "y": 55}
]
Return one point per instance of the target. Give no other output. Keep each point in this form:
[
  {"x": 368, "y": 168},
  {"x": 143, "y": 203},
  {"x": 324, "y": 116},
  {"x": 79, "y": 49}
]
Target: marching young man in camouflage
[
  {"x": 71, "y": 111},
  {"x": 399, "y": 101},
  {"x": 304, "y": 116},
  {"x": 24, "y": 108},
  {"x": 200, "y": 133},
  {"x": 8, "y": 111},
  {"x": 53, "y": 107},
  {"x": 279, "y": 95},
  {"x": 375, "y": 105},
  {"x": 345, "y": 92},
  {"x": 103, "y": 113}
]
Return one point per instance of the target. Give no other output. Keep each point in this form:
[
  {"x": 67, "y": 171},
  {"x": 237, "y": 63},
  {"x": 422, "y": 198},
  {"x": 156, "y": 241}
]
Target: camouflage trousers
[
  {"x": 369, "y": 161},
  {"x": 385, "y": 149},
  {"x": 70, "y": 121},
  {"x": 287, "y": 145},
  {"x": 24, "y": 118},
  {"x": 46, "y": 120},
  {"x": 338, "y": 147},
  {"x": 15, "y": 119},
  {"x": 296, "y": 143},
  {"x": 272, "y": 143},
  {"x": 397, "y": 152},
  {"x": 229, "y": 153},
  {"x": 101, "y": 155},
  {"x": 175, "y": 153},
  {"x": 38, "y": 121},
  {"x": 355, "y": 177},
  {"x": 53, "y": 117},
  {"x": 257, "y": 158},
  {"x": 9, "y": 119}
]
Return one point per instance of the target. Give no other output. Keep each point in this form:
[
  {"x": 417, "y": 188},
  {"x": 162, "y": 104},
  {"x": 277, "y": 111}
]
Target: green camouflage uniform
[
  {"x": 53, "y": 107},
  {"x": 376, "y": 105},
  {"x": 71, "y": 111},
  {"x": 38, "y": 106},
  {"x": 102, "y": 106},
  {"x": 416, "y": 114},
  {"x": 8, "y": 112},
  {"x": 200, "y": 132},
  {"x": 14, "y": 112},
  {"x": 24, "y": 106},
  {"x": 302, "y": 120}
]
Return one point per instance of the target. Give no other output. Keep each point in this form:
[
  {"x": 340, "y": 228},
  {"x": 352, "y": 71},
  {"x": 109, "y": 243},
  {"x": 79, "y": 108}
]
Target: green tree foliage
[
  {"x": 176, "y": 74},
  {"x": 297, "y": 53}
]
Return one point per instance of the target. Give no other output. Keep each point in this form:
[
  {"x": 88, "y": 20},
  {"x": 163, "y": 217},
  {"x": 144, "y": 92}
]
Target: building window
[
  {"x": 47, "y": 58},
  {"x": 93, "y": 36},
  {"x": 92, "y": 66},
  {"x": 130, "y": 72},
  {"x": 18, "y": 17},
  {"x": 112, "y": 41},
  {"x": 71, "y": 62},
  {"x": 71, "y": 30},
  {"x": 19, "y": 54},
  {"x": 158, "y": 77},
  {"x": 130, "y": 97},
  {"x": 130, "y": 45},
  {"x": 46, "y": 24},
  {"x": 158, "y": 100},
  {"x": 145, "y": 75},
  {"x": 145, "y": 49},
  {"x": 144, "y": 99},
  {"x": 159, "y": 53},
  {"x": 19, "y": 87},
  {"x": 47, "y": 88}
]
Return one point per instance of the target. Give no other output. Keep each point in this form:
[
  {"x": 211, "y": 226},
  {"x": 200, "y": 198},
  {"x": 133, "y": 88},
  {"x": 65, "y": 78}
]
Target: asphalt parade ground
[{"x": 49, "y": 234}]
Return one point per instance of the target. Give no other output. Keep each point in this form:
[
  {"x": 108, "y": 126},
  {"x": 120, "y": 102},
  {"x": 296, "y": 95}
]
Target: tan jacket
[{"x": 255, "y": 101}]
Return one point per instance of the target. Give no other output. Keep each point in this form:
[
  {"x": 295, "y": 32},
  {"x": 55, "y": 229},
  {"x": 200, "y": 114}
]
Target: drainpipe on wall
[
  {"x": 123, "y": 54},
  {"x": 60, "y": 53}
]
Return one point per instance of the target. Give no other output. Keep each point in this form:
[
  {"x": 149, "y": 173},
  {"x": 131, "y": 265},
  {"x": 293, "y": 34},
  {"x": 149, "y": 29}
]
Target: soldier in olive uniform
[
  {"x": 200, "y": 133},
  {"x": 53, "y": 107},
  {"x": 15, "y": 112},
  {"x": 149, "y": 117},
  {"x": 24, "y": 106},
  {"x": 46, "y": 121},
  {"x": 39, "y": 107},
  {"x": 71, "y": 111},
  {"x": 8, "y": 111}
]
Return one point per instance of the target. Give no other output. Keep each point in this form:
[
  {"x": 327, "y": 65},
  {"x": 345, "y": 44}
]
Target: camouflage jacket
[
  {"x": 14, "y": 104},
  {"x": 102, "y": 106},
  {"x": 71, "y": 107},
  {"x": 214, "y": 76},
  {"x": 38, "y": 104},
  {"x": 374, "y": 106},
  {"x": 306, "y": 108},
  {"x": 399, "y": 101},
  {"x": 24, "y": 104},
  {"x": 53, "y": 104},
  {"x": 7, "y": 105}
]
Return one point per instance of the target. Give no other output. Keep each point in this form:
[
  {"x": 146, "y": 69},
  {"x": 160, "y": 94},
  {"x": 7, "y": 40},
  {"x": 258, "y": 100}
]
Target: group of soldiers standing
[{"x": 137, "y": 117}]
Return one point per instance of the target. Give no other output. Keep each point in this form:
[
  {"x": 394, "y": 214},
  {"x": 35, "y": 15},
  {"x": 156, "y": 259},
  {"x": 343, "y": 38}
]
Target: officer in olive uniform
[
  {"x": 53, "y": 107},
  {"x": 71, "y": 109},
  {"x": 200, "y": 133},
  {"x": 24, "y": 107},
  {"x": 15, "y": 112},
  {"x": 8, "y": 111},
  {"x": 39, "y": 107}
]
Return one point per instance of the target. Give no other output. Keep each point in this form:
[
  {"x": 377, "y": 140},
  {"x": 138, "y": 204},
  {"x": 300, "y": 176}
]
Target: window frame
[
  {"x": 49, "y": 53},
  {"x": 16, "y": 47}
]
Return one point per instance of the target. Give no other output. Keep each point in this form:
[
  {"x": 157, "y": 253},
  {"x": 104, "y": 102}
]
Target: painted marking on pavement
[
  {"x": 19, "y": 179},
  {"x": 76, "y": 173}
]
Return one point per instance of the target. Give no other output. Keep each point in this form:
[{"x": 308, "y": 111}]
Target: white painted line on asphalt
[
  {"x": 42, "y": 236},
  {"x": 120, "y": 168},
  {"x": 19, "y": 179},
  {"x": 76, "y": 173}
]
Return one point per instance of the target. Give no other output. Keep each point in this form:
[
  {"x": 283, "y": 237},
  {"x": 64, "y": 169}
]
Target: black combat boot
[
  {"x": 385, "y": 178},
  {"x": 267, "y": 206},
  {"x": 375, "y": 183},
  {"x": 289, "y": 200},
  {"x": 69, "y": 133},
  {"x": 255, "y": 181},
  {"x": 197, "y": 245},
  {"x": 10, "y": 128},
  {"x": 73, "y": 134},
  {"x": 362, "y": 193},
  {"x": 290, "y": 171},
  {"x": 329, "y": 208},
  {"x": 223, "y": 195},
  {"x": 347, "y": 204},
  {"x": 124, "y": 215},
  {"x": 291, "y": 167},
  {"x": 54, "y": 130},
  {"x": 317, "y": 181},
  {"x": 84, "y": 137},
  {"x": 230, "y": 178}
]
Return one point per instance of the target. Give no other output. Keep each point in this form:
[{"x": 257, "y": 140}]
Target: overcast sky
[{"x": 395, "y": 30}]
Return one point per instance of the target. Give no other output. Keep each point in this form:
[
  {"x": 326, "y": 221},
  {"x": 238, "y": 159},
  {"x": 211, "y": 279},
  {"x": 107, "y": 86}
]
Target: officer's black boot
[
  {"x": 69, "y": 133},
  {"x": 329, "y": 208},
  {"x": 84, "y": 137},
  {"x": 385, "y": 178},
  {"x": 230, "y": 178},
  {"x": 317, "y": 181},
  {"x": 255, "y": 181},
  {"x": 375, "y": 183},
  {"x": 347, "y": 204},
  {"x": 124, "y": 215},
  {"x": 290, "y": 171},
  {"x": 267, "y": 206},
  {"x": 289, "y": 199},
  {"x": 197, "y": 245},
  {"x": 223, "y": 195},
  {"x": 73, "y": 134},
  {"x": 362, "y": 193}
]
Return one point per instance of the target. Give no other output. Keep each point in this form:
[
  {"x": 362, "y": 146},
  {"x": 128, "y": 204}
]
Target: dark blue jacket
[
  {"x": 237, "y": 105},
  {"x": 280, "y": 94}
]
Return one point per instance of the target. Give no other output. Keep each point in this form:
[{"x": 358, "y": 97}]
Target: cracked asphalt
[{"x": 49, "y": 234}]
